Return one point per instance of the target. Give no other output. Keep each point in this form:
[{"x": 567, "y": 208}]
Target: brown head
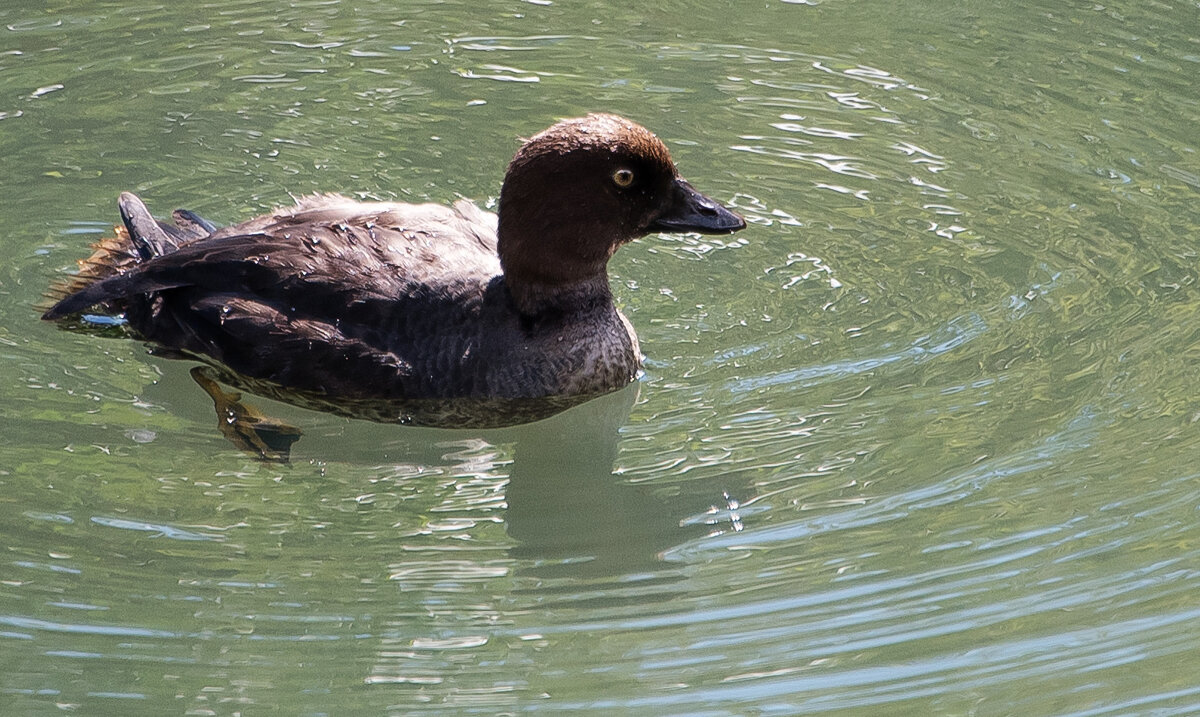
[{"x": 577, "y": 191}]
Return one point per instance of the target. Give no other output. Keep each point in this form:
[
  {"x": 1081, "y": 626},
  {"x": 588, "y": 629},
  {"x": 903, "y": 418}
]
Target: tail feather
[
  {"x": 148, "y": 235},
  {"x": 196, "y": 226},
  {"x": 110, "y": 256},
  {"x": 140, "y": 238}
]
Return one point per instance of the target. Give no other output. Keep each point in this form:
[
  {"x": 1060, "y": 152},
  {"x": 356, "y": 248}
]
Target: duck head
[{"x": 579, "y": 190}]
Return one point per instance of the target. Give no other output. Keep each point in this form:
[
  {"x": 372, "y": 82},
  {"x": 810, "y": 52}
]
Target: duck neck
[{"x": 538, "y": 299}]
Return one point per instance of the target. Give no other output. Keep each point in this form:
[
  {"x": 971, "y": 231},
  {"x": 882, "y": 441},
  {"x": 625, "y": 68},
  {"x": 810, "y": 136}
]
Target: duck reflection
[{"x": 569, "y": 514}]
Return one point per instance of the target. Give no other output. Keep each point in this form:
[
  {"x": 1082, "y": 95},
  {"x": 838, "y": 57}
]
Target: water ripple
[{"x": 920, "y": 440}]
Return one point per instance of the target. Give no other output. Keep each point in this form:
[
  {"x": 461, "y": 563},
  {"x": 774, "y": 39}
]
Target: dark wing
[
  {"x": 219, "y": 262},
  {"x": 304, "y": 352}
]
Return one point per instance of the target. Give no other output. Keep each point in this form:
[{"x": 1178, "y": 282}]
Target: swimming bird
[{"x": 382, "y": 300}]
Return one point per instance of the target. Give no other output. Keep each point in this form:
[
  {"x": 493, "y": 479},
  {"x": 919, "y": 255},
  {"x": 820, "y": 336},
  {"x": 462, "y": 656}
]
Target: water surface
[{"x": 921, "y": 440}]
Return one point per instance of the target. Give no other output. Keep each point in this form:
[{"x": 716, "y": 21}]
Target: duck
[{"x": 347, "y": 299}]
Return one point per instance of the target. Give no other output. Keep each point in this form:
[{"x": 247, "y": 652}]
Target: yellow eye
[{"x": 623, "y": 177}]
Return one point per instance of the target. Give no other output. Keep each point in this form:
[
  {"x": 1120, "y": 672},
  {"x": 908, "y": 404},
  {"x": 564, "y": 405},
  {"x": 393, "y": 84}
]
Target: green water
[{"x": 922, "y": 440}]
